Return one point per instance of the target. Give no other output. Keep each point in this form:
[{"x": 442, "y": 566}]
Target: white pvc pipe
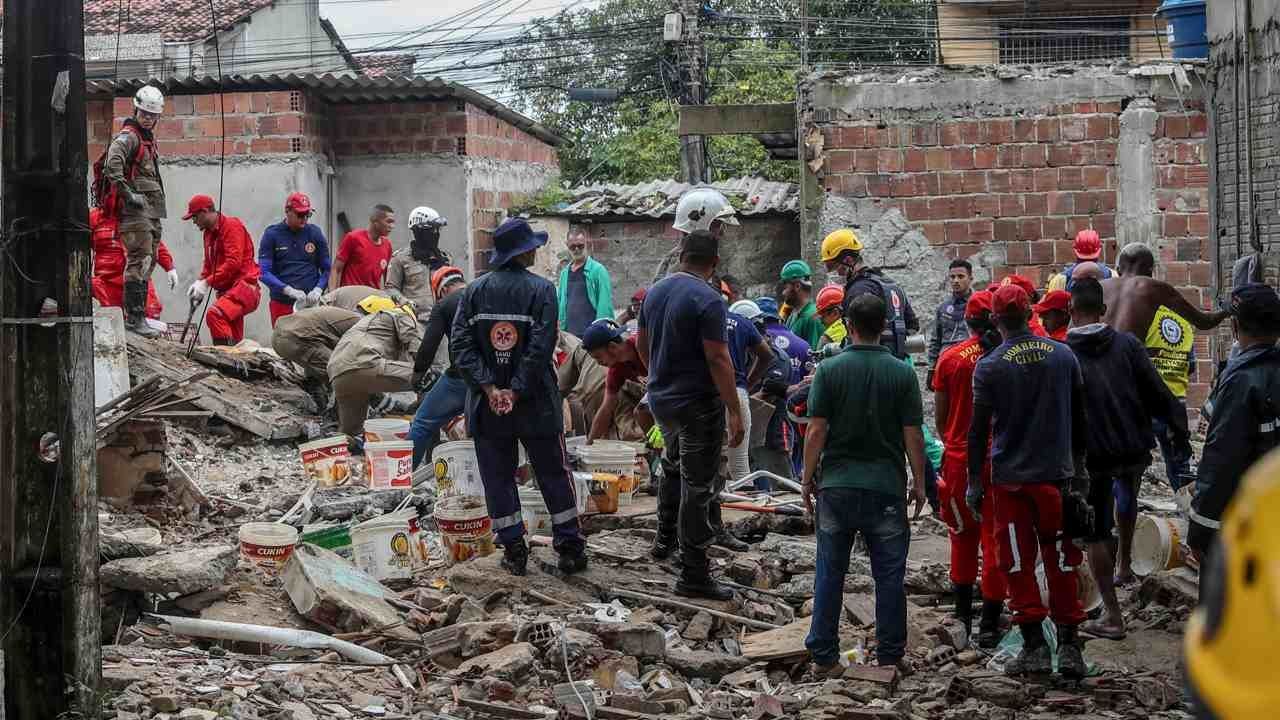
[{"x": 220, "y": 630}]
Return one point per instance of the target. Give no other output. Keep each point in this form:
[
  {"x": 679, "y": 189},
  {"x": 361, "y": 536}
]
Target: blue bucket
[{"x": 1187, "y": 34}]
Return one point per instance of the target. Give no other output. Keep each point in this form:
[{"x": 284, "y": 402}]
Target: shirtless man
[{"x": 1133, "y": 298}]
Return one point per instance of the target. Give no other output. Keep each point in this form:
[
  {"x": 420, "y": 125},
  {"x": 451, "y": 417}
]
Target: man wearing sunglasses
[
  {"x": 585, "y": 291},
  {"x": 294, "y": 258}
]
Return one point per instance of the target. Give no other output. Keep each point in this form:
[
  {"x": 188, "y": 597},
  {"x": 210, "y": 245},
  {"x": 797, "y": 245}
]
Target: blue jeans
[
  {"x": 444, "y": 401},
  {"x": 1177, "y": 457},
  {"x": 882, "y": 520}
]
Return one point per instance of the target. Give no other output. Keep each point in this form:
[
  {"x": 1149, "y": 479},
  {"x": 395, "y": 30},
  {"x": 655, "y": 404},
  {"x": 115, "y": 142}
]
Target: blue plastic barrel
[{"x": 1186, "y": 22}]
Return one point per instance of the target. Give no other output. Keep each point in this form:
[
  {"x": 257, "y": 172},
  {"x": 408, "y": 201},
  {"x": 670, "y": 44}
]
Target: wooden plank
[
  {"x": 787, "y": 641},
  {"x": 737, "y": 119},
  {"x": 500, "y": 711}
]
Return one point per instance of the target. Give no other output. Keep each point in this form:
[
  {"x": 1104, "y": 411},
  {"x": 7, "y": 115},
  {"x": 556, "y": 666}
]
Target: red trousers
[
  {"x": 967, "y": 534},
  {"x": 109, "y": 292},
  {"x": 226, "y": 317},
  {"x": 279, "y": 310},
  {"x": 1029, "y": 518}
]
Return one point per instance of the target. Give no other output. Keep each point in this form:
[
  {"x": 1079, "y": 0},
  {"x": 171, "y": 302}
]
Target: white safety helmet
[
  {"x": 746, "y": 308},
  {"x": 701, "y": 206},
  {"x": 149, "y": 99},
  {"x": 424, "y": 216}
]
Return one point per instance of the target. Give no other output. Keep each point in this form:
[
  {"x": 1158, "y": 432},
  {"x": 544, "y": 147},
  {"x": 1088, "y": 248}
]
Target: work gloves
[
  {"x": 133, "y": 199},
  {"x": 295, "y": 294},
  {"x": 313, "y": 297},
  {"x": 173, "y": 279},
  {"x": 973, "y": 498},
  {"x": 198, "y": 291}
]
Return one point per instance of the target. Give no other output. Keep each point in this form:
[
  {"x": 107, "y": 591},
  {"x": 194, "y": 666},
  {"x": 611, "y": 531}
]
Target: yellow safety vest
[{"x": 1169, "y": 341}]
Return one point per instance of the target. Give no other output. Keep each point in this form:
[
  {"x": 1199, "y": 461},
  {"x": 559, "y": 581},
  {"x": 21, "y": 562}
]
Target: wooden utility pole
[
  {"x": 693, "y": 153},
  {"x": 49, "y": 614}
]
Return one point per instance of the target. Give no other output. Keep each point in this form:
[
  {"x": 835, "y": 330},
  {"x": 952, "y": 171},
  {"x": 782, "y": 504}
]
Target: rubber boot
[
  {"x": 515, "y": 557},
  {"x": 729, "y": 542},
  {"x": 1070, "y": 657},
  {"x": 964, "y": 609},
  {"x": 135, "y": 304},
  {"x": 695, "y": 577},
  {"x": 1035, "y": 658},
  {"x": 316, "y": 390},
  {"x": 573, "y": 560},
  {"x": 664, "y": 544},
  {"x": 989, "y": 625}
]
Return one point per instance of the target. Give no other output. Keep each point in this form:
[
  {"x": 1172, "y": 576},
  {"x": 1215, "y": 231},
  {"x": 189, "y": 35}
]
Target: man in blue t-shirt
[
  {"x": 682, "y": 339},
  {"x": 1028, "y": 399},
  {"x": 294, "y": 258}
]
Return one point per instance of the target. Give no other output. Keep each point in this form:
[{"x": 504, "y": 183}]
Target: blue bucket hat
[
  {"x": 514, "y": 237},
  {"x": 768, "y": 307}
]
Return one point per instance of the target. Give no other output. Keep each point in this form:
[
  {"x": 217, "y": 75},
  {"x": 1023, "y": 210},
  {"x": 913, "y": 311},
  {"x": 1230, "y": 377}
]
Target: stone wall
[
  {"x": 1004, "y": 166},
  {"x": 634, "y": 251}
]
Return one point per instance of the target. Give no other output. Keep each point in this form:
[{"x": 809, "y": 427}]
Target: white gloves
[
  {"x": 199, "y": 289},
  {"x": 313, "y": 297},
  {"x": 295, "y": 294},
  {"x": 173, "y": 279}
]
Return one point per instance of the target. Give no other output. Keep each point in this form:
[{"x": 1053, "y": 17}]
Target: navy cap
[
  {"x": 600, "y": 333},
  {"x": 1256, "y": 303}
]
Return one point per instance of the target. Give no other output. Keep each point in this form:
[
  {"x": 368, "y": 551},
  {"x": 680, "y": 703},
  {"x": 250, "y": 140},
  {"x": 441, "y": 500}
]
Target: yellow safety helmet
[
  {"x": 1233, "y": 634},
  {"x": 376, "y": 303},
  {"x": 839, "y": 241}
]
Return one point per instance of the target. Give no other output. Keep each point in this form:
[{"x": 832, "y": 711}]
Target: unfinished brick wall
[
  {"x": 1010, "y": 189},
  {"x": 256, "y": 123},
  {"x": 488, "y": 210},
  {"x": 448, "y": 127}
]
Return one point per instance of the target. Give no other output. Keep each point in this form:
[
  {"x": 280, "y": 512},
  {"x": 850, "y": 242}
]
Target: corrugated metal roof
[
  {"x": 656, "y": 199},
  {"x": 341, "y": 89},
  {"x": 176, "y": 20}
]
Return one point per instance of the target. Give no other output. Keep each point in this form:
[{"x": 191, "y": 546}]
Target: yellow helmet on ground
[
  {"x": 837, "y": 242},
  {"x": 376, "y": 303},
  {"x": 1236, "y": 629}
]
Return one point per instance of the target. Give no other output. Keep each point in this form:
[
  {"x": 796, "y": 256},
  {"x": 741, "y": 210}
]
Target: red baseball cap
[
  {"x": 299, "y": 203},
  {"x": 979, "y": 303},
  {"x": 1019, "y": 281},
  {"x": 639, "y": 295},
  {"x": 1087, "y": 245},
  {"x": 198, "y": 203},
  {"x": 1054, "y": 300},
  {"x": 1009, "y": 298}
]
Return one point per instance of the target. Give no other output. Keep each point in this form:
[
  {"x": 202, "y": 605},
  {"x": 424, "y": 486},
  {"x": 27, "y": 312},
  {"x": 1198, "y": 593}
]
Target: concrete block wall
[
  {"x": 443, "y": 127},
  {"x": 633, "y": 251},
  {"x": 1005, "y": 169}
]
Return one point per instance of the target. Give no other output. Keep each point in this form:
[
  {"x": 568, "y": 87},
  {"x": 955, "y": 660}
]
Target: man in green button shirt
[
  {"x": 865, "y": 419},
  {"x": 797, "y": 292}
]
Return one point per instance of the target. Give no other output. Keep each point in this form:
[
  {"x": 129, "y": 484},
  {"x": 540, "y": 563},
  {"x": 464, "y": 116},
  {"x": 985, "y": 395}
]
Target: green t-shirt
[
  {"x": 867, "y": 396},
  {"x": 806, "y": 323}
]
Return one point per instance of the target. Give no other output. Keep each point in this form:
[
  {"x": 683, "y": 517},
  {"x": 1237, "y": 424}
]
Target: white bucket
[
  {"x": 389, "y": 547},
  {"x": 390, "y": 465},
  {"x": 537, "y": 519},
  {"x": 386, "y": 429},
  {"x": 456, "y": 470},
  {"x": 1086, "y": 589},
  {"x": 267, "y": 545},
  {"x": 327, "y": 461},
  {"x": 465, "y": 528},
  {"x": 614, "y": 457},
  {"x": 1157, "y": 545}
]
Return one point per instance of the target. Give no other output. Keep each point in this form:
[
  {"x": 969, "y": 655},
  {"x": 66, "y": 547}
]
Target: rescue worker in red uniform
[
  {"x": 230, "y": 268},
  {"x": 1028, "y": 399},
  {"x": 953, "y": 403},
  {"x": 109, "y": 262}
]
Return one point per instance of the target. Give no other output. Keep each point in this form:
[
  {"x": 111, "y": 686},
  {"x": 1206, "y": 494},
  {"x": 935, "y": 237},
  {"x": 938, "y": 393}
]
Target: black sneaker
[
  {"x": 663, "y": 547},
  {"x": 729, "y": 542},
  {"x": 572, "y": 561},
  {"x": 704, "y": 587},
  {"x": 515, "y": 558},
  {"x": 1071, "y": 663}
]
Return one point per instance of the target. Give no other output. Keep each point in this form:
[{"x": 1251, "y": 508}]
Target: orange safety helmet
[
  {"x": 829, "y": 297},
  {"x": 443, "y": 277}
]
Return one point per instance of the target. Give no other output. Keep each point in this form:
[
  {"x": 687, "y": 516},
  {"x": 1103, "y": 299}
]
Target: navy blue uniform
[
  {"x": 299, "y": 260},
  {"x": 504, "y": 335}
]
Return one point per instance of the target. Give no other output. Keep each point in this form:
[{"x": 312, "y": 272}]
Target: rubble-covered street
[{"x": 468, "y": 640}]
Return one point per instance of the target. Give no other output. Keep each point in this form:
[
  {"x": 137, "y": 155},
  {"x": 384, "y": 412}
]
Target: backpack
[
  {"x": 895, "y": 306},
  {"x": 103, "y": 193},
  {"x": 1066, "y": 272}
]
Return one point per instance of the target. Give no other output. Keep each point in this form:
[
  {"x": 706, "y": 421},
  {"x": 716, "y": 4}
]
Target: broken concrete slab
[
  {"x": 705, "y": 664},
  {"x": 509, "y": 662},
  {"x": 329, "y": 591},
  {"x": 699, "y": 627},
  {"x": 185, "y": 572},
  {"x": 785, "y": 642},
  {"x": 644, "y": 641}
]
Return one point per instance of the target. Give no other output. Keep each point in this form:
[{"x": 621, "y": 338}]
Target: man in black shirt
[{"x": 447, "y": 398}]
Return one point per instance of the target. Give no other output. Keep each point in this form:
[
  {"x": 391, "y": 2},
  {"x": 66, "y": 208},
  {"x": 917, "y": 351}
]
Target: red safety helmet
[
  {"x": 441, "y": 278},
  {"x": 1088, "y": 246},
  {"x": 829, "y": 297}
]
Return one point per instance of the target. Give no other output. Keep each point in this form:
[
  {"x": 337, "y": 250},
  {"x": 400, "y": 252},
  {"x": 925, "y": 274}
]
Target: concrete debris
[{"x": 183, "y": 572}]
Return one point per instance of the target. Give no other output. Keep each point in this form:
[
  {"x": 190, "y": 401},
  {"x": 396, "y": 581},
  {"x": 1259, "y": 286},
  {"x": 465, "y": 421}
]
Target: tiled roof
[
  {"x": 175, "y": 20},
  {"x": 656, "y": 199},
  {"x": 387, "y": 64}
]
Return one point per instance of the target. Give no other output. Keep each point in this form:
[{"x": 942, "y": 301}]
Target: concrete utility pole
[
  {"x": 693, "y": 152},
  {"x": 49, "y": 614}
]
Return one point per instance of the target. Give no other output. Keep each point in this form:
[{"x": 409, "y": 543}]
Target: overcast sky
[{"x": 354, "y": 18}]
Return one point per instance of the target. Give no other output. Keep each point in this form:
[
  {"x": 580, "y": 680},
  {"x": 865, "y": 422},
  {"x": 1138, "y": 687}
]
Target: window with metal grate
[{"x": 1029, "y": 40}]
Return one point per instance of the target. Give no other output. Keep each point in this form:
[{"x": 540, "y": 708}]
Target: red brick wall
[
  {"x": 257, "y": 123},
  {"x": 488, "y": 210},
  {"x": 445, "y": 127},
  {"x": 1029, "y": 183}
]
